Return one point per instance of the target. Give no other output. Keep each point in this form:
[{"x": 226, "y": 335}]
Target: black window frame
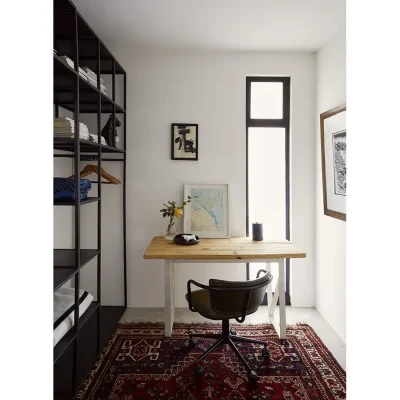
[{"x": 283, "y": 122}]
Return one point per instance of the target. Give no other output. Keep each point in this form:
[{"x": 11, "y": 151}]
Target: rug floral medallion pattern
[{"x": 139, "y": 363}]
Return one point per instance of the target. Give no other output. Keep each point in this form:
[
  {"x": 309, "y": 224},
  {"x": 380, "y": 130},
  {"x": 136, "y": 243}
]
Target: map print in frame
[{"x": 207, "y": 215}]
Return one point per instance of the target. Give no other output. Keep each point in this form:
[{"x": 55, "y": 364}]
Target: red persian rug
[{"x": 139, "y": 363}]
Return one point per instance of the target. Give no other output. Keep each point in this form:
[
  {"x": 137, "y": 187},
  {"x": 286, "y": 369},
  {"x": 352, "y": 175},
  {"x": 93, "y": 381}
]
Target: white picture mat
[
  {"x": 187, "y": 216},
  {"x": 189, "y": 136},
  {"x": 333, "y": 124}
]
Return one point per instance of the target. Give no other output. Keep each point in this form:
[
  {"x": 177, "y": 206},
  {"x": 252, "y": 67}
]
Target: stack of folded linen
[
  {"x": 63, "y": 310},
  {"x": 95, "y": 139},
  {"x": 92, "y": 78},
  {"x": 64, "y": 127},
  {"x": 66, "y": 60},
  {"x": 64, "y": 189}
]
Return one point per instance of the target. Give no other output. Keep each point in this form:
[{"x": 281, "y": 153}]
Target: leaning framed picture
[
  {"x": 207, "y": 215},
  {"x": 184, "y": 141},
  {"x": 333, "y": 157}
]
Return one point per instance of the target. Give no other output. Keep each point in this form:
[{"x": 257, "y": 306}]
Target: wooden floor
[{"x": 309, "y": 316}]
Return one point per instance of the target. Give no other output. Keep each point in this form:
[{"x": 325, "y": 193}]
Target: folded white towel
[
  {"x": 63, "y": 301},
  {"x": 189, "y": 237},
  {"x": 63, "y": 119}
]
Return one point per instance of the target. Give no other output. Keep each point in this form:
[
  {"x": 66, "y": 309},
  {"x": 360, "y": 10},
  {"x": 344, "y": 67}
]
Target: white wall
[
  {"x": 330, "y": 243},
  {"x": 208, "y": 89}
]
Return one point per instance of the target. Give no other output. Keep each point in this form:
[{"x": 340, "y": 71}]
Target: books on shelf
[
  {"x": 84, "y": 72},
  {"x": 64, "y": 128},
  {"x": 92, "y": 78},
  {"x": 67, "y": 61}
]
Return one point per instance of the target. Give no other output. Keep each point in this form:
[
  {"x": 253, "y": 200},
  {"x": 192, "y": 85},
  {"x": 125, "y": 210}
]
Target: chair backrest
[{"x": 239, "y": 298}]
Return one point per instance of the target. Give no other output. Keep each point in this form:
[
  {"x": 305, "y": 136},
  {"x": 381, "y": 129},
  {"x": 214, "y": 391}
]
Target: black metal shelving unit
[{"x": 77, "y": 351}]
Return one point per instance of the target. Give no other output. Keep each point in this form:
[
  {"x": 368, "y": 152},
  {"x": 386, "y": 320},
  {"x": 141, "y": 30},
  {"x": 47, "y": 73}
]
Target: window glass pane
[
  {"x": 267, "y": 187},
  {"x": 266, "y": 100}
]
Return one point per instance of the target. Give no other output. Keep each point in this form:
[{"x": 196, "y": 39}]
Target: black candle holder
[{"x": 257, "y": 231}]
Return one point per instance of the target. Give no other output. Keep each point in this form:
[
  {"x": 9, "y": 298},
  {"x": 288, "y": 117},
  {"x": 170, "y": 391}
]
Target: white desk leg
[
  {"x": 269, "y": 293},
  {"x": 169, "y": 296},
  {"x": 282, "y": 300}
]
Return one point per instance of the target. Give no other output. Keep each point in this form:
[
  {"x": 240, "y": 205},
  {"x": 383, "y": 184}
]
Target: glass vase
[{"x": 171, "y": 231}]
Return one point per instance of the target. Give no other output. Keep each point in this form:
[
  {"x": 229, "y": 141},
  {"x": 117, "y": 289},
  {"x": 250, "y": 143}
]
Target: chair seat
[{"x": 201, "y": 302}]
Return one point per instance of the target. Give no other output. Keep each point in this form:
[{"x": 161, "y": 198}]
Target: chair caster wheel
[
  {"x": 233, "y": 332},
  {"x": 253, "y": 377},
  {"x": 265, "y": 352},
  {"x": 191, "y": 344},
  {"x": 198, "y": 371}
]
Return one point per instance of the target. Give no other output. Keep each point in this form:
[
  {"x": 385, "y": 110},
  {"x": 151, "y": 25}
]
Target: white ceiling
[{"x": 238, "y": 25}]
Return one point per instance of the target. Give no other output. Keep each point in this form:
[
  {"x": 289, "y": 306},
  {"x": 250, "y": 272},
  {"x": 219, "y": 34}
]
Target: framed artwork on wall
[
  {"x": 333, "y": 157},
  {"x": 184, "y": 141},
  {"x": 207, "y": 215}
]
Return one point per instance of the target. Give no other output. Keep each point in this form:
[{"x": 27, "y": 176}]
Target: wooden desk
[{"x": 233, "y": 250}]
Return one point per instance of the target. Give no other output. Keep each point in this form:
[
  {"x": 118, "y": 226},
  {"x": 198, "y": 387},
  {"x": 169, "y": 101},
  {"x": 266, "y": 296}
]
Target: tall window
[{"x": 268, "y": 162}]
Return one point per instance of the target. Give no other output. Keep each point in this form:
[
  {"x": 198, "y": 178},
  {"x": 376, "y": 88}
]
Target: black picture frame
[{"x": 180, "y": 145}]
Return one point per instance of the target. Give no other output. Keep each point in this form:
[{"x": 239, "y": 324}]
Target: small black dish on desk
[{"x": 178, "y": 239}]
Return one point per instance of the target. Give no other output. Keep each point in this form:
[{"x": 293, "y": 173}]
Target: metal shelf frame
[{"x": 76, "y": 39}]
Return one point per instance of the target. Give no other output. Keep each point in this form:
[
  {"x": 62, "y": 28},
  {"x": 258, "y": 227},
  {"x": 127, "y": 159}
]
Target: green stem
[{"x": 171, "y": 223}]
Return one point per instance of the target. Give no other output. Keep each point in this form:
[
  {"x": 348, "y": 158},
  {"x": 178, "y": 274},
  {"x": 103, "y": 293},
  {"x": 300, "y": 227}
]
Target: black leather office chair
[{"x": 225, "y": 300}]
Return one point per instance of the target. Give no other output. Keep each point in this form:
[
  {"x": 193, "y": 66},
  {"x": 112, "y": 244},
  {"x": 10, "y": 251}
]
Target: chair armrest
[
  {"x": 259, "y": 272},
  {"x": 189, "y": 292},
  {"x": 244, "y": 307}
]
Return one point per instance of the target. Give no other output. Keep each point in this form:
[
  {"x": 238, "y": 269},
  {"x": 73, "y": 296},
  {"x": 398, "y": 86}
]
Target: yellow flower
[{"x": 178, "y": 212}]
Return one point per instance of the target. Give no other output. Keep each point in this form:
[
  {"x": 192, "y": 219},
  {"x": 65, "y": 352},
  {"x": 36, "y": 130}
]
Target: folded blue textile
[
  {"x": 65, "y": 195},
  {"x": 68, "y": 185}
]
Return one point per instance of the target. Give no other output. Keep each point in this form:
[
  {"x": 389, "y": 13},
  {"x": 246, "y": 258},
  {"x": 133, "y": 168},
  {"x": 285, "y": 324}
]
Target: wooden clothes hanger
[{"x": 93, "y": 169}]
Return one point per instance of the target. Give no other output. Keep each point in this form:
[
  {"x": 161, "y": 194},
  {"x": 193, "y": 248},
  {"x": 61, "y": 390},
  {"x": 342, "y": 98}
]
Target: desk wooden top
[{"x": 221, "y": 249}]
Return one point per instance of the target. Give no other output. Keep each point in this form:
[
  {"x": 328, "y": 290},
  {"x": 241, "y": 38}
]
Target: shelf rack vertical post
[
  {"x": 77, "y": 207},
  {"x": 99, "y": 204},
  {"x": 124, "y": 197}
]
